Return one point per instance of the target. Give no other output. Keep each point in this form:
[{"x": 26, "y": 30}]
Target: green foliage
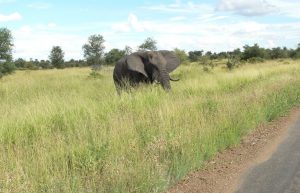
[
  {"x": 236, "y": 53},
  {"x": 56, "y": 57},
  {"x": 45, "y": 64},
  {"x": 255, "y": 60},
  {"x": 6, "y": 68},
  {"x": 206, "y": 62},
  {"x": 195, "y": 55},
  {"x": 75, "y": 63},
  {"x": 297, "y": 52},
  {"x": 6, "y": 44},
  {"x": 252, "y": 52},
  {"x": 93, "y": 51},
  {"x": 20, "y": 63},
  {"x": 114, "y": 55},
  {"x": 232, "y": 62},
  {"x": 181, "y": 54},
  {"x": 276, "y": 53},
  {"x": 96, "y": 74},
  {"x": 149, "y": 44}
]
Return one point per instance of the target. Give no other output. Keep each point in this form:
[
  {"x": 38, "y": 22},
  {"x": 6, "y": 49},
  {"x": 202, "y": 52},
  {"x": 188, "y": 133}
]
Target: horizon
[{"x": 214, "y": 26}]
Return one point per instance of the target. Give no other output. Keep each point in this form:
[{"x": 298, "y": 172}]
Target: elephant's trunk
[{"x": 165, "y": 79}]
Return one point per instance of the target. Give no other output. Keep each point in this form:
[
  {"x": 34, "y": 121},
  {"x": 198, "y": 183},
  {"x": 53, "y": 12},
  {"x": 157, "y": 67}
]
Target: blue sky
[{"x": 218, "y": 25}]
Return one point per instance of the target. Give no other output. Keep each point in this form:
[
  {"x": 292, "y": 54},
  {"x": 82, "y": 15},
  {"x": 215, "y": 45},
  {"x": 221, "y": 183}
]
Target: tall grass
[{"x": 65, "y": 131}]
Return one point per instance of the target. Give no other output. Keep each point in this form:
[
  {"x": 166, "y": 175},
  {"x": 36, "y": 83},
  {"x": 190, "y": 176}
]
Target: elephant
[{"x": 145, "y": 67}]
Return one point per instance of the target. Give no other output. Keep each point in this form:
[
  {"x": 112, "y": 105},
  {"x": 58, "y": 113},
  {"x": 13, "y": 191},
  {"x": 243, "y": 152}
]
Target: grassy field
[{"x": 64, "y": 131}]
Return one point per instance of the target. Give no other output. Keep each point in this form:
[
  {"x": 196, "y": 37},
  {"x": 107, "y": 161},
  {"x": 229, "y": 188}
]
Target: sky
[{"x": 216, "y": 25}]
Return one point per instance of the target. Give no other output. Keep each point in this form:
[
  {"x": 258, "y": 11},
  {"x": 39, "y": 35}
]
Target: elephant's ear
[
  {"x": 172, "y": 60},
  {"x": 136, "y": 64}
]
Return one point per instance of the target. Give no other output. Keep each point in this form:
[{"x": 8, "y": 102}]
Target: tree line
[{"x": 94, "y": 55}]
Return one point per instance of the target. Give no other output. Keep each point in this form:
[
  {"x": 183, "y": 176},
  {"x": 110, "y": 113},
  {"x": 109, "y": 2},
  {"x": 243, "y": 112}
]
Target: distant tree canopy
[
  {"x": 195, "y": 55},
  {"x": 20, "y": 63},
  {"x": 94, "y": 50},
  {"x": 6, "y": 47},
  {"x": 94, "y": 55},
  {"x": 149, "y": 44},
  {"x": 252, "y": 52},
  {"x": 114, "y": 55},
  {"x": 56, "y": 57}
]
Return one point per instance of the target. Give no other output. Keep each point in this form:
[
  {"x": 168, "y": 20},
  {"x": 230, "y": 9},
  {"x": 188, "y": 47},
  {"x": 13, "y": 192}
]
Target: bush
[
  {"x": 254, "y": 60},
  {"x": 252, "y": 52},
  {"x": 206, "y": 61},
  {"x": 95, "y": 74},
  {"x": 6, "y": 68},
  {"x": 233, "y": 62},
  {"x": 206, "y": 69},
  {"x": 181, "y": 54}
]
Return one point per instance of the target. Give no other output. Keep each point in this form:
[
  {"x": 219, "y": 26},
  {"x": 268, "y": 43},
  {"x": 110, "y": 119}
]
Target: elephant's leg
[{"x": 119, "y": 86}]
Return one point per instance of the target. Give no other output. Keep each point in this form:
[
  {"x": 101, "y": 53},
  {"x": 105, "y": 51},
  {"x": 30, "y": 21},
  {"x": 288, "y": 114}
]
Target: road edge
[{"x": 225, "y": 172}]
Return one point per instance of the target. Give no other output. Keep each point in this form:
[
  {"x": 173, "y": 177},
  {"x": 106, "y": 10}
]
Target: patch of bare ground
[{"x": 223, "y": 174}]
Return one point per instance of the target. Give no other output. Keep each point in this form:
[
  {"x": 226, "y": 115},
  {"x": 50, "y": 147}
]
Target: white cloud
[
  {"x": 211, "y": 17},
  {"x": 11, "y": 17},
  {"x": 121, "y": 27},
  {"x": 134, "y": 23},
  {"x": 179, "y": 7},
  {"x": 246, "y": 7},
  {"x": 48, "y": 26},
  {"x": 36, "y": 43},
  {"x": 39, "y": 5},
  {"x": 289, "y": 8},
  {"x": 214, "y": 36},
  {"x": 178, "y": 18},
  {"x": 6, "y": 1},
  {"x": 271, "y": 44}
]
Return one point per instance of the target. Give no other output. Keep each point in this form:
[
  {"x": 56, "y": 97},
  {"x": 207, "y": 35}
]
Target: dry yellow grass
[{"x": 64, "y": 131}]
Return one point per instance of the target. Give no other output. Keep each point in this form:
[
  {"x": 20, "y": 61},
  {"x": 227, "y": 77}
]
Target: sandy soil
[{"x": 223, "y": 174}]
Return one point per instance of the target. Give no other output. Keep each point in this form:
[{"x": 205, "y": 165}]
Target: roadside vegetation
[
  {"x": 67, "y": 131},
  {"x": 95, "y": 56}
]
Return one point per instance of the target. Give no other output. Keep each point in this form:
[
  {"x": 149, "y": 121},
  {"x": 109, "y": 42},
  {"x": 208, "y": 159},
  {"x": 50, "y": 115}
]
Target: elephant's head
[{"x": 155, "y": 65}]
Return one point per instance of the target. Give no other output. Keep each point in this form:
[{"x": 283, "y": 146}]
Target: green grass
[{"x": 67, "y": 131}]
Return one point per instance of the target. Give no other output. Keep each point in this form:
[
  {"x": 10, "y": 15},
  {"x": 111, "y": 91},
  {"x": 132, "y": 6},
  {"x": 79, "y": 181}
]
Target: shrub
[
  {"x": 233, "y": 62},
  {"x": 6, "y": 68},
  {"x": 254, "y": 60}
]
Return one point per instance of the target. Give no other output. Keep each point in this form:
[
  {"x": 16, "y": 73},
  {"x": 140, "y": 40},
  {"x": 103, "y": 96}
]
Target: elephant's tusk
[
  {"x": 174, "y": 79},
  {"x": 157, "y": 82}
]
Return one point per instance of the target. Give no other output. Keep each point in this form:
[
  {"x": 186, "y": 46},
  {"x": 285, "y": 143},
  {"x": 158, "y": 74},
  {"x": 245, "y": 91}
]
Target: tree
[
  {"x": 297, "y": 51},
  {"x": 6, "y": 47},
  {"x": 195, "y": 55},
  {"x": 149, "y": 44},
  {"x": 128, "y": 50},
  {"x": 252, "y": 52},
  {"x": 181, "y": 54},
  {"x": 57, "y": 57},
  {"x": 114, "y": 55},
  {"x": 6, "y": 44},
  {"x": 94, "y": 50},
  {"x": 45, "y": 64},
  {"x": 278, "y": 53},
  {"x": 20, "y": 63}
]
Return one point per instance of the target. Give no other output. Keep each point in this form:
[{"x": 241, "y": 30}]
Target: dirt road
[
  {"x": 267, "y": 160},
  {"x": 281, "y": 173}
]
